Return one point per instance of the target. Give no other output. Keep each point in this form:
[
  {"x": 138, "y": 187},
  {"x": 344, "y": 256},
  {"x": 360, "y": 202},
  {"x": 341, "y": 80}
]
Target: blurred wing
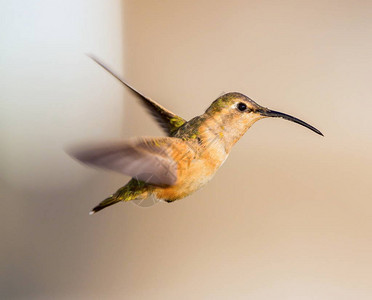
[
  {"x": 149, "y": 160},
  {"x": 169, "y": 121}
]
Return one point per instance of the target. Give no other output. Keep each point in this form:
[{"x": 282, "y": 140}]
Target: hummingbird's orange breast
[{"x": 196, "y": 165}]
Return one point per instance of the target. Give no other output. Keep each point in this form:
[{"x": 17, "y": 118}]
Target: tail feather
[
  {"x": 105, "y": 203},
  {"x": 134, "y": 189}
]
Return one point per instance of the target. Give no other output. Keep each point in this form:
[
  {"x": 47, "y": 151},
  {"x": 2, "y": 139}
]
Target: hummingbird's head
[{"x": 236, "y": 113}]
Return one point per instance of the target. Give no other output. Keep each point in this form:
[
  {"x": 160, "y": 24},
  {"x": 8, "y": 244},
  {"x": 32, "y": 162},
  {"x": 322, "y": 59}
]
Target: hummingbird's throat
[{"x": 228, "y": 128}]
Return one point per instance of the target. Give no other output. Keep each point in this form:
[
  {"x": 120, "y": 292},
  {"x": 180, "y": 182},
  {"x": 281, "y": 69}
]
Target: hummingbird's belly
[{"x": 192, "y": 175}]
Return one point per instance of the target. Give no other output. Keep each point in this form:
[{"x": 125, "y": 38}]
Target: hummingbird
[{"x": 172, "y": 167}]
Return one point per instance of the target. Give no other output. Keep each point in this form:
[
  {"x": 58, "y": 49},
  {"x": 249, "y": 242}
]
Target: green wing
[{"x": 169, "y": 121}]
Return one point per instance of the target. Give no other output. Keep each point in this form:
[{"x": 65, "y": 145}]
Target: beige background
[{"x": 288, "y": 216}]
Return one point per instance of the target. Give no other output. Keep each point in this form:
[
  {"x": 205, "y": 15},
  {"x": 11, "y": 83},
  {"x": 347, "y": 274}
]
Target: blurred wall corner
[{"x": 53, "y": 97}]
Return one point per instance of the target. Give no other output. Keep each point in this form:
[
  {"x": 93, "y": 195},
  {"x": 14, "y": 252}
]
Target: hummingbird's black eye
[{"x": 242, "y": 106}]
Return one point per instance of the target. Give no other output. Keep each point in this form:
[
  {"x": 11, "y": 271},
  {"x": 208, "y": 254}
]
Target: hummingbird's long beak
[{"x": 276, "y": 114}]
